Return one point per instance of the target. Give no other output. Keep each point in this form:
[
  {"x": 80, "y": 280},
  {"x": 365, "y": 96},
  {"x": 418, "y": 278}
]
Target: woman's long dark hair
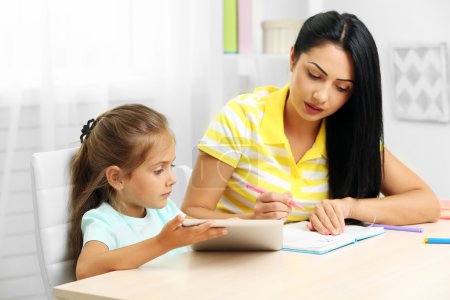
[{"x": 355, "y": 131}]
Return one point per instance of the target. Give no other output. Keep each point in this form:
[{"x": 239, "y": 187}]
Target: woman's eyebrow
[
  {"x": 349, "y": 80},
  {"x": 318, "y": 67},
  {"x": 326, "y": 74}
]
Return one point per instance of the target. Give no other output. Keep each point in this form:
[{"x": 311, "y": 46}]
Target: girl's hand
[
  {"x": 329, "y": 216},
  {"x": 272, "y": 206},
  {"x": 173, "y": 235}
]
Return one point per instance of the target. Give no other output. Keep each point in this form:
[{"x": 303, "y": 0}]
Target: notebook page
[
  {"x": 297, "y": 236},
  {"x": 360, "y": 232}
]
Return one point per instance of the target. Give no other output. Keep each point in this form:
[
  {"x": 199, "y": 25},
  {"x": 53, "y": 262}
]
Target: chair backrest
[
  {"x": 50, "y": 174},
  {"x": 183, "y": 175}
]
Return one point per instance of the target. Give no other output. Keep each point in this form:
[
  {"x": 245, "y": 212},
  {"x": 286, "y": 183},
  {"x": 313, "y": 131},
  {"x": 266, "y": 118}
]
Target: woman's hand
[
  {"x": 329, "y": 216},
  {"x": 272, "y": 206},
  {"x": 174, "y": 235}
]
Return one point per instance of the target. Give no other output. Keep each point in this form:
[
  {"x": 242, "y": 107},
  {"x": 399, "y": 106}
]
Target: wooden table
[{"x": 395, "y": 265}]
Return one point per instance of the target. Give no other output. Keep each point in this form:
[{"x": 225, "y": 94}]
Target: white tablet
[{"x": 242, "y": 235}]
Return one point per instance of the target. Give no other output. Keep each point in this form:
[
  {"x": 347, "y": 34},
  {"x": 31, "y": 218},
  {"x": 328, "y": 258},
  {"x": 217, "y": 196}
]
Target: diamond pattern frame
[{"x": 420, "y": 82}]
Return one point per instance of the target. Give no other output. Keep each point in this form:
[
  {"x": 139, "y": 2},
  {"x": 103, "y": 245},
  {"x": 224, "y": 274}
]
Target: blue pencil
[{"x": 437, "y": 240}]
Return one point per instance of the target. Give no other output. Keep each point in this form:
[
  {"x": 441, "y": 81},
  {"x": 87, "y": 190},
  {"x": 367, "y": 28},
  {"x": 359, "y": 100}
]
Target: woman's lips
[{"x": 311, "y": 109}]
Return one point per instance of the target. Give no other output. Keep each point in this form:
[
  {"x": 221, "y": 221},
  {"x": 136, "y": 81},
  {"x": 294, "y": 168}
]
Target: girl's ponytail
[{"x": 88, "y": 196}]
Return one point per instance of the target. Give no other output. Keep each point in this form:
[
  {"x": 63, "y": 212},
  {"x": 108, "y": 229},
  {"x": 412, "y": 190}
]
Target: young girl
[
  {"x": 122, "y": 177},
  {"x": 319, "y": 138}
]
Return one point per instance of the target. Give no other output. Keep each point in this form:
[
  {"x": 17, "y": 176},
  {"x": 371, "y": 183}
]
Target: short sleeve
[
  {"x": 96, "y": 228},
  {"x": 226, "y": 134}
]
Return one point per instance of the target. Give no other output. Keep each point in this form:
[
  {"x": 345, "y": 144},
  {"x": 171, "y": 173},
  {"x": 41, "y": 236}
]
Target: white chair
[
  {"x": 50, "y": 172},
  {"x": 183, "y": 175},
  {"x": 51, "y": 189}
]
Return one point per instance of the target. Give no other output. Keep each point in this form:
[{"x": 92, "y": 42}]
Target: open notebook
[{"x": 297, "y": 238}]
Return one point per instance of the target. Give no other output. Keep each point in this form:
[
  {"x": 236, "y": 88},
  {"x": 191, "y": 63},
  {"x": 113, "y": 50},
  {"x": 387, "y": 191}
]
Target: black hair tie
[{"x": 86, "y": 130}]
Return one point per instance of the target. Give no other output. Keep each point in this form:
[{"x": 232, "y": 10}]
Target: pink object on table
[{"x": 445, "y": 204}]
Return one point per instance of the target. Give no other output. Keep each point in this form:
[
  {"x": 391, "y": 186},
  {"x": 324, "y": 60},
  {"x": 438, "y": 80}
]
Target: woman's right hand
[
  {"x": 174, "y": 235},
  {"x": 272, "y": 206}
]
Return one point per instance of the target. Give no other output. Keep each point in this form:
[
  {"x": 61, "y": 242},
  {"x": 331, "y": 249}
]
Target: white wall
[{"x": 423, "y": 146}]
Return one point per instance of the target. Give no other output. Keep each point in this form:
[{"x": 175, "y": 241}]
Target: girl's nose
[{"x": 172, "y": 179}]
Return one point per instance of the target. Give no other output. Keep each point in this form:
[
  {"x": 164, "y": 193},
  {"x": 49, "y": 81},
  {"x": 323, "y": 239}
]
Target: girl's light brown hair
[{"x": 123, "y": 137}]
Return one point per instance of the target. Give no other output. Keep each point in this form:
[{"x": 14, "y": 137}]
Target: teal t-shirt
[{"x": 115, "y": 230}]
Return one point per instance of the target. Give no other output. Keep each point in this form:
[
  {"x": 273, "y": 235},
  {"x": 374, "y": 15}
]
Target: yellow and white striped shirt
[{"x": 248, "y": 134}]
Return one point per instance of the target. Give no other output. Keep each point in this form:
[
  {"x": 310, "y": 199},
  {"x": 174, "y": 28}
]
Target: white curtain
[{"x": 63, "y": 62}]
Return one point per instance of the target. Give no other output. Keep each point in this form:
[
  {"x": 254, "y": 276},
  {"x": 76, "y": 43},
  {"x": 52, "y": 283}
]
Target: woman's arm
[
  {"x": 95, "y": 258},
  {"x": 208, "y": 182},
  {"x": 408, "y": 200}
]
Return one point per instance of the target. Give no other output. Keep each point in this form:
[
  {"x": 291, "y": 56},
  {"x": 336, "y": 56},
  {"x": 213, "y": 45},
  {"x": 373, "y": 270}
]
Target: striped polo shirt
[{"x": 248, "y": 134}]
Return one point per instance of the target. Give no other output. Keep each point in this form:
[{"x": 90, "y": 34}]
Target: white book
[{"x": 298, "y": 238}]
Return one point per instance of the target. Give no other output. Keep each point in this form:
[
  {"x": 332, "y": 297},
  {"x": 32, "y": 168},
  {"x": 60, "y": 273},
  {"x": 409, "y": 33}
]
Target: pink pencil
[{"x": 261, "y": 191}]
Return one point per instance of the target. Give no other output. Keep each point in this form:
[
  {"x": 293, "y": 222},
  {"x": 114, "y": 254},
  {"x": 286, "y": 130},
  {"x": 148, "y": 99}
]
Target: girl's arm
[
  {"x": 95, "y": 258},
  {"x": 408, "y": 200},
  {"x": 208, "y": 182}
]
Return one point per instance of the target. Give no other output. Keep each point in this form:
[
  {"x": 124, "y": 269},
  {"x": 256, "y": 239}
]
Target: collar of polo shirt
[{"x": 272, "y": 129}]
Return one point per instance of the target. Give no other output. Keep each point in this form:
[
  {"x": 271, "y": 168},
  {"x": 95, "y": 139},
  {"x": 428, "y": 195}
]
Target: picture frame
[{"x": 421, "y": 82}]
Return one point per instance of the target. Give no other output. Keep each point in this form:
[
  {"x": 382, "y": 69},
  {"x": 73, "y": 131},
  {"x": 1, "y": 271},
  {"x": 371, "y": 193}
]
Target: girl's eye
[
  {"x": 159, "y": 171},
  {"x": 313, "y": 76}
]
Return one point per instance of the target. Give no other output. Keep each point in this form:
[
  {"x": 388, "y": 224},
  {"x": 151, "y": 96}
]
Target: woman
[{"x": 320, "y": 138}]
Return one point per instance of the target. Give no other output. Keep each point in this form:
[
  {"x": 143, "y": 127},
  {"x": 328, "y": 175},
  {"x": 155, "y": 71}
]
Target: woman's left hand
[{"x": 329, "y": 216}]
